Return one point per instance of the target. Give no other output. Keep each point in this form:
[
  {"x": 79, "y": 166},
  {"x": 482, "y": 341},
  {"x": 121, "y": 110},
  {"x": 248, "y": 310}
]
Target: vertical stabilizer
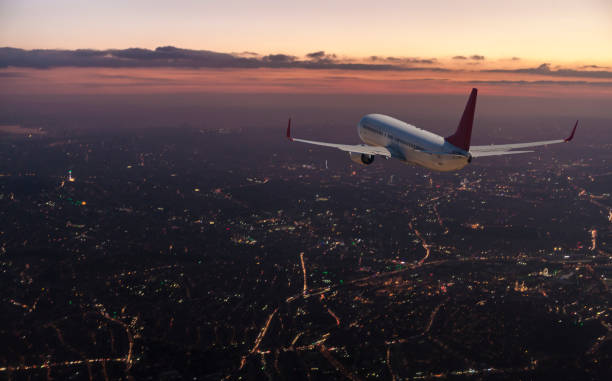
[{"x": 461, "y": 138}]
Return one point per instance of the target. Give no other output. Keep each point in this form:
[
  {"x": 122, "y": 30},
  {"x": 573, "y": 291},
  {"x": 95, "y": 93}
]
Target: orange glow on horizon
[{"x": 298, "y": 81}]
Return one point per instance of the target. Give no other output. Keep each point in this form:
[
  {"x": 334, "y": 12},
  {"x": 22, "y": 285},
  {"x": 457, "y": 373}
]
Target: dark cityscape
[{"x": 218, "y": 251}]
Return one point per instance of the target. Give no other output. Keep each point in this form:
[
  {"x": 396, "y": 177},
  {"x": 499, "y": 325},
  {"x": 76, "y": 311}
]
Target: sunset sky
[
  {"x": 559, "y": 30},
  {"x": 429, "y": 45}
]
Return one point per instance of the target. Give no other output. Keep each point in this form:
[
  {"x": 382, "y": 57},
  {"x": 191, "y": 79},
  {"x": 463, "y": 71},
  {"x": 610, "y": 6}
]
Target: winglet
[
  {"x": 572, "y": 135},
  {"x": 289, "y": 131}
]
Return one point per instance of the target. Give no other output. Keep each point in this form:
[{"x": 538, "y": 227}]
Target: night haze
[{"x": 156, "y": 223}]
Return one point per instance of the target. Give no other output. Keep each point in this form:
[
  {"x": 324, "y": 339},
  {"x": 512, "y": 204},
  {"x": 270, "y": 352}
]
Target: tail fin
[{"x": 461, "y": 138}]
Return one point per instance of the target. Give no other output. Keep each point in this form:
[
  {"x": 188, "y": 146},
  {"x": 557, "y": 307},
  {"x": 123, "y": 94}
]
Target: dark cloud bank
[
  {"x": 545, "y": 69},
  {"x": 169, "y": 56},
  {"x": 475, "y": 57}
]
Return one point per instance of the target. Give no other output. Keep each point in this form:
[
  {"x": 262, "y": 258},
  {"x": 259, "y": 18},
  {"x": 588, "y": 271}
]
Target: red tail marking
[
  {"x": 461, "y": 138},
  {"x": 289, "y": 130},
  {"x": 572, "y": 135}
]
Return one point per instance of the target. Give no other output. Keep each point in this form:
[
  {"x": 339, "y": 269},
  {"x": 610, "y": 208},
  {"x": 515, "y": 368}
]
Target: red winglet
[
  {"x": 572, "y": 135},
  {"x": 289, "y": 131}
]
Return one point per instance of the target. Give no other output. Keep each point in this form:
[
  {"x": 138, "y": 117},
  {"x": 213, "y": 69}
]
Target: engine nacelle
[{"x": 361, "y": 158}]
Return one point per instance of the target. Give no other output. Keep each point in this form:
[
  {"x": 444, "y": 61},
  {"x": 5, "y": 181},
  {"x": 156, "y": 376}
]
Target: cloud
[
  {"x": 169, "y": 56},
  {"x": 172, "y": 57},
  {"x": 321, "y": 57},
  {"x": 279, "y": 58},
  {"x": 403, "y": 60},
  {"x": 134, "y": 57},
  {"x": 594, "y": 67},
  {"x": 316, "y": 55},
  {"x": 544, "y": 69},
  {"x": 474, "y": 57},
  {"x": 406, "y": 60},
  {"x": 543, "y": 82}
]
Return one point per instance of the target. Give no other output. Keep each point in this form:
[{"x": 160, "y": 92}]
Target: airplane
[{"x": 391, "y": 138}]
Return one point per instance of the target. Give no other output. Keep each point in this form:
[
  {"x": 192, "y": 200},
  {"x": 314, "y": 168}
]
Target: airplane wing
[
  {"x": 506, "y": 149},
  {"x": 357, "y": 148}
]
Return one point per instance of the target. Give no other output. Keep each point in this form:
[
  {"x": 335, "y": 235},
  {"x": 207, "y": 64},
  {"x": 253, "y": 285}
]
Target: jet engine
[{"x": 361, "y": 158}]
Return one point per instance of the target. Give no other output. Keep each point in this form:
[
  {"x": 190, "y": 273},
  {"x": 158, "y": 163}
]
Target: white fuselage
[{"x": 411, "y": 144}]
